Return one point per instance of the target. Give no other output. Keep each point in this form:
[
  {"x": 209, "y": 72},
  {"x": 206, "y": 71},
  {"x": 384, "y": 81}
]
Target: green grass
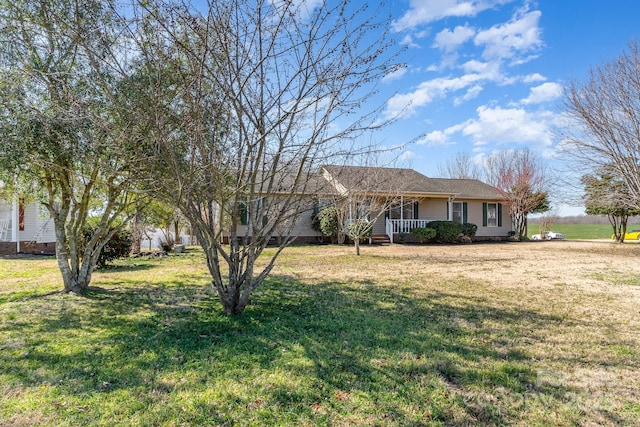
[
  {"x": 151, "y": 348},
  {"x": 583, "y": 231}
]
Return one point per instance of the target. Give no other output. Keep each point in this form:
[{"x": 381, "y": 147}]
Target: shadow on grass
[
  {"x": 342, "y": 348},
  {"x": 131, "y": 267}
]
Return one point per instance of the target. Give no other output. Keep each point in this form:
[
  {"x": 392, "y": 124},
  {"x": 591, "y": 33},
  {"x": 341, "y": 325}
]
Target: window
[
  {"x": 458, "y": 212},
  {"x": 492, "y": 215},
  {"x": 363, "y": 209},
  {"x": 409, "y": 211},
  {"x": 248, "y": 210}
]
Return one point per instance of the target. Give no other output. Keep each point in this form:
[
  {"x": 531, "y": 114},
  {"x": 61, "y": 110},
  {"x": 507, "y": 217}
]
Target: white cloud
[
  {"x": 426, "y": 11},
  {"x": 395, "y": 75},
  {"x": 449, "y": 40},
  {"x": 499, "y": 126},
  {"x": 406, "y": 156},
  {"x": 436, "y": 138},
  {"x": 449, "y": 60},
  {"x": 405, "y": 105},
  {"x": 472, "y": 93},
  {"x": 534, "y": 78},
  {"x": 408, "y": 41},
  {"x": 509, "y": 125},
  {"x": 490, "y": 70},
  {"x": 511, "y": 39},
  {"x": 543, "y": 93}
]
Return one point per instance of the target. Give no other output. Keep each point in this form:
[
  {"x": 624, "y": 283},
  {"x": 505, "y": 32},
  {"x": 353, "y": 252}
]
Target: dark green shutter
[
  {"x": 415, "y": 210},
  {"x": 464, "y": 213},
  {"x": 484, "y": 214},
  {"x": 499, "y": 214},
  {"x": 243, "y": 213},
  {"x": 448, "y": 211}
]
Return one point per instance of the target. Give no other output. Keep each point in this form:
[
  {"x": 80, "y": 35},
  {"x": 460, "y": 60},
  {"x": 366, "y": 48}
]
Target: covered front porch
[
  {"x": 407, "y": 212},
  {"x": 411, "y": 212},
  {"x": 403, "y": 226}
]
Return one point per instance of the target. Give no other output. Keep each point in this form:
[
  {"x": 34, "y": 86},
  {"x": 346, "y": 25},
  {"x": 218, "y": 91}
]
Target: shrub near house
[
  {"x": 446, "y": 231},
  {"x": 423, "y": 234},
  {"x": 119, "y": 246}
]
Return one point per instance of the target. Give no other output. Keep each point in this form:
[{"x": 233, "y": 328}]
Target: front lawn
[{"x": 493, "y": 334}]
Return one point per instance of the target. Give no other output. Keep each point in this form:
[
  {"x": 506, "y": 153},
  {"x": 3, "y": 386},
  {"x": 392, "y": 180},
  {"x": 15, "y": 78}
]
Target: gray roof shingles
[{"x": 409, "y": 181}]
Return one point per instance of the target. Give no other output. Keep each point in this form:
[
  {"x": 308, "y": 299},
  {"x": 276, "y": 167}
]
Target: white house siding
[
  {"x": 38, "y": 226},
  {"x": 45, "y": 231},
  {"x": 30, "y": 223},
  {"x": 380, "y": 226},
  {"x": 5, "y": 214},
  {"x": 301, "y": 228},
  {"x": 5, "y": 208}
]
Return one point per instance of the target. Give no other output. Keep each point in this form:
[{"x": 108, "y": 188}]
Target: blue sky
[{"x": 487, "y": 75}]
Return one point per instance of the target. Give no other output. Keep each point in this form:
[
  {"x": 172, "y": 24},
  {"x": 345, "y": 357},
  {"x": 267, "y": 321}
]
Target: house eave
[{"x": 431, "y": 194}]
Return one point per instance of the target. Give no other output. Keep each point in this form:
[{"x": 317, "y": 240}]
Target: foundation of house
[{"x": 11, "y": 248}]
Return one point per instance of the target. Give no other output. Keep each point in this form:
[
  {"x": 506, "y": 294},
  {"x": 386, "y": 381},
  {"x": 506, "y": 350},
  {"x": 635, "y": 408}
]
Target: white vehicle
[{"x": 550, "y": 235}]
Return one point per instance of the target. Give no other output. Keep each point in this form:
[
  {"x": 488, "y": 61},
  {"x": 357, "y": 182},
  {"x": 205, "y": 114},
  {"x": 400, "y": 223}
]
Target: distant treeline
[{"x": 581, "y": 219}]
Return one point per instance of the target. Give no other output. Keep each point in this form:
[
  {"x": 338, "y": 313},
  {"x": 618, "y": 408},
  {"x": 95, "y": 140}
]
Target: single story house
[
  {"x": 25, "y": 227},
  {"x": 398, "y": 200}
]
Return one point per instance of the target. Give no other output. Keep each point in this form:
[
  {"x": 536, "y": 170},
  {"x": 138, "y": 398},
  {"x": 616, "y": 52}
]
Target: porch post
[
  {"x": 402, "y": 230},
  {"x": 450, "y": 208}
]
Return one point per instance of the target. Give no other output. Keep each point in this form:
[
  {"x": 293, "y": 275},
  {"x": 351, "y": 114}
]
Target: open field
[
  {"x": 583, "y": 231},
  {"x": 538, "y": 333}
]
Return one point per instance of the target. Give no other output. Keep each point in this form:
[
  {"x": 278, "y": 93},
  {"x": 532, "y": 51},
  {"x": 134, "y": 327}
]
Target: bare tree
[
  {"x": 546, "y": 221},
  {"x": 461, "y": 166},
  {"x": 362, "y": 195},
  {"x": 246, "y": 101},
  {"x": 604, "y": 119},
  {"x": 522, "y": 180}
]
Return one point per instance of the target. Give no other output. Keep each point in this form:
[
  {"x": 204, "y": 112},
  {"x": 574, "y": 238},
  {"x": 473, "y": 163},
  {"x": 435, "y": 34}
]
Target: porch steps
[{"x": 380, "y": 239}]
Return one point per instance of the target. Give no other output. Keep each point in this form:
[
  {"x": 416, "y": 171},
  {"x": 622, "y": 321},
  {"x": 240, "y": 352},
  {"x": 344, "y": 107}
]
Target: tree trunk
[
  {"x": 176, "y": 231},
  {"x": 519, "y": 224},
  {"x": 76, "y": 281},
  {"x": 137, "y": 233}
]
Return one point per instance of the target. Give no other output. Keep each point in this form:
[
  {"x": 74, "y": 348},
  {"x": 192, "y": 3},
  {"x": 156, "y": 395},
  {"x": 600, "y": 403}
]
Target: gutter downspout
[{"x": 15, "y": 222}]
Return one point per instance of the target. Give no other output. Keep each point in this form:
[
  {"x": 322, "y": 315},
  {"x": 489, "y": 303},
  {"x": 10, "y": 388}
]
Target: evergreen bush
[
  {"x": 423, "y": 234},
  {"x": 446, "y": 231}
]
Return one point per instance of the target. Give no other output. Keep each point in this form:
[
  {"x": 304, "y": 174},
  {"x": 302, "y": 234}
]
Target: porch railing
[{"x": 397, "y": 226}]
